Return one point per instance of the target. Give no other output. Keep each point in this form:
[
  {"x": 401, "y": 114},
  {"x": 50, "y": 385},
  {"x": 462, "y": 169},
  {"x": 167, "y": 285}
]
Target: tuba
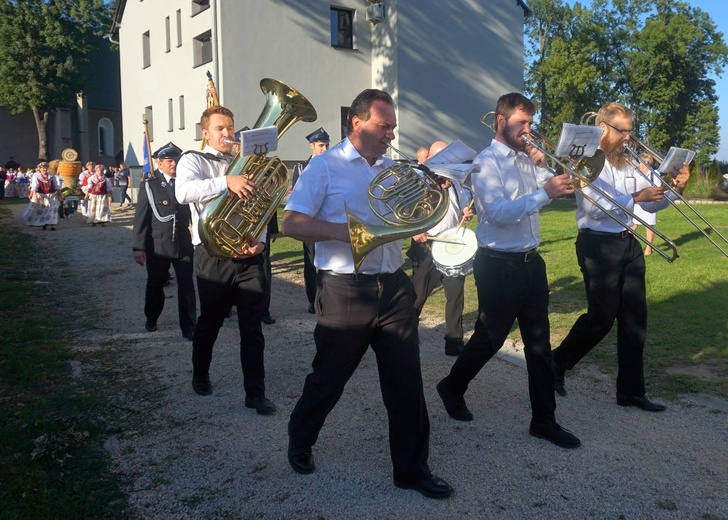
[
  {"x": 415, "y": 202},
  {"x": 228, "y": 221}
]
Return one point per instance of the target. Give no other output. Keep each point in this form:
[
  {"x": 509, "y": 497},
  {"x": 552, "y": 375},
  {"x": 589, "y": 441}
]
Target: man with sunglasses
[{"x": 613, "y": 264}]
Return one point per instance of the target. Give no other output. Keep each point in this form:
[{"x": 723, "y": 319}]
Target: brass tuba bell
[
  {"x": 415, "y": 202},
  {"x": 228, "y": 221}
]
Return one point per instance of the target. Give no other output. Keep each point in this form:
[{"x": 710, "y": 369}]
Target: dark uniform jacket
[{"x": 161, "y": 225}]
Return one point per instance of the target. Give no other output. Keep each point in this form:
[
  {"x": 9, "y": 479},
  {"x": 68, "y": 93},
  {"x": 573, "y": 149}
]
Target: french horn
[
  {"x": 407, "y": 198},
  {"x": 228, "y": 221}
]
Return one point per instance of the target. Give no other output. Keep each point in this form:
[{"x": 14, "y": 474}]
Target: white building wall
[
  {"x": 290, "y": 40},
  {"x": 445, "y": 63},
  {"x": 170, "y": 75}
]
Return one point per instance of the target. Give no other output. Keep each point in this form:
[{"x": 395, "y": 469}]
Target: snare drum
[{"x": 455, "y": 258}]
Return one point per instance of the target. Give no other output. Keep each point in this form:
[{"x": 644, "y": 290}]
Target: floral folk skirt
[
  {"x": 98, "y": 209},
  {"x": 42, "y": 211}
]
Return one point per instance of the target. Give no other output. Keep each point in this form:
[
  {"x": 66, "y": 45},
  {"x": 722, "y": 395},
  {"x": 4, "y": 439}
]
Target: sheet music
[
  {"x": 259, "y": 140},
  {"x": 674, "y": 160},
  {"x": 458, "y": 172},
  {"x": 454, "y": 153},
  {"x": 579, "y": 140}
]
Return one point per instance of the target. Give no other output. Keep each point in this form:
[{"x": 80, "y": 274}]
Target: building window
[
  {"x": 146, "y": 52},
  {"x": 198, "y": 132},
  {"x": 202, "y": 48},
  {"x": 199, "y": 5},
  {"x": 167, "y": 34},
  {"x": 179, "y": 27},
  {"x": 344, "y": 121},
  {"x": 170, "y": 115},
  {"x": 150, "y": 122},
  {"x": 181, "y": 112},
  {"x": 106, "y": 137},
  {"x": 342, "y": 28}
]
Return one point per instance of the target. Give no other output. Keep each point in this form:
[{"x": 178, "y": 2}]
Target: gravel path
[{"x": 185, "y": 456}]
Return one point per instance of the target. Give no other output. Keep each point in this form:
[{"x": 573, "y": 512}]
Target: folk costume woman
[
  {"x": 42, "y": 209},
  {"x": 99, "y": 196}
]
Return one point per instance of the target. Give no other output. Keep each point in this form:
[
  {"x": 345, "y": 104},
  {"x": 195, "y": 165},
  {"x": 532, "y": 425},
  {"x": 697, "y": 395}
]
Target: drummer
[{"x": 425, "y": 275}]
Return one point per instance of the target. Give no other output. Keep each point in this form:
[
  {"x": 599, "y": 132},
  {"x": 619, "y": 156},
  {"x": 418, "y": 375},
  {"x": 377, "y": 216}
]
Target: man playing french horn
[
  {"x": 510, "y": 275},
  {"x": 613, "y": 264},
  {"x": 222, "y": 282},
  {"x": 373, "y": 308}
]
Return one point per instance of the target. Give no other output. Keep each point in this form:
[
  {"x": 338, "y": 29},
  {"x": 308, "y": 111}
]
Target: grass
[
  {"x": 51, "y": 461},
  {"x": 687, "y": 334}
]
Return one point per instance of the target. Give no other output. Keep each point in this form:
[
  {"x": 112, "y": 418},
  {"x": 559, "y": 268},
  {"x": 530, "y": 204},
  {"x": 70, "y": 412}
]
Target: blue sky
[{"x": 718, "y": 11}]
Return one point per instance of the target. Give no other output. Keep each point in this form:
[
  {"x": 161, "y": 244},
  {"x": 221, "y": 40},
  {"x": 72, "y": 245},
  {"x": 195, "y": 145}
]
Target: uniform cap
[
  {"x": 319, "y": 135},
  {"x": 168, "y": 151}
]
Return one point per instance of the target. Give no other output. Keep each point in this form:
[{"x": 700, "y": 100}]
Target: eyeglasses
[{"x": 625, "y": 133}]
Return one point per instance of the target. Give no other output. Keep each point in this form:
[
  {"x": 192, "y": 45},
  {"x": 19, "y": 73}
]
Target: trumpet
[
  {"x": 586, "y": 170},
  {"x": 636, "y": 160}
]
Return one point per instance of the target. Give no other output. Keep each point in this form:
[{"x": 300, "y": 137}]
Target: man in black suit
[{"x": 161, "y": 237}]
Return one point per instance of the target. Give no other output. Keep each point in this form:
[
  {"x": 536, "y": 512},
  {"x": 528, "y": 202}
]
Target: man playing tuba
[{"x": 222, "y": 282}]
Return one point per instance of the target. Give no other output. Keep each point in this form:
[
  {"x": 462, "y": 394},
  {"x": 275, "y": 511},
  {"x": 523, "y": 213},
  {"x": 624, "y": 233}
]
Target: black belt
[
  {"x": 618, "y": 234},
  {"x": 525, "y": 256},
  {"x": 379, "y": 277}
]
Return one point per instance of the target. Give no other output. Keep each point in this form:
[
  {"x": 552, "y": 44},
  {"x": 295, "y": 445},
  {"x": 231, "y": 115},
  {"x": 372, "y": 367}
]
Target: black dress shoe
[
  {"x": 640, "y": 402},
  {"x": 559, "y": 383},
  {"x": 201, "y": 385},
  {"x": 302, "y": 462},
  {"x": 432, "y": 486},
  {"x": 268, "y": 319},
  {"x": 454, "y": 404},
  {"x": 311, "y": 308},
  {"x": 454, "y": 347},
  {"x": 261, "y": 404},
  {"x": 554, "y": 433},
  {"x": 150, "y": 325},
  {"x": 188, "y": 335}
]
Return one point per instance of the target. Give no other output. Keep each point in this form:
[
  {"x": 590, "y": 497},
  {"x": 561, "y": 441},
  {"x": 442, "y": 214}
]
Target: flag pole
[
  {"x": 147, "y": 148},
  {"x": 212, "y": 99}
]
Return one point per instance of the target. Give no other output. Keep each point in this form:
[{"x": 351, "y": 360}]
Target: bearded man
[
  {"x": 510, "y": 275},
  {"x": 613, "y": 264}
]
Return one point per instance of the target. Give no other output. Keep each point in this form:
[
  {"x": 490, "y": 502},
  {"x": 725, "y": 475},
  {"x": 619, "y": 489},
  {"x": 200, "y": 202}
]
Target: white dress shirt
[
  {"x": 508, "y": 196},
  {"x": 620, "y": 184},
  {"x": 335, "y": 182},
  {"x": 198, "y": 181}
]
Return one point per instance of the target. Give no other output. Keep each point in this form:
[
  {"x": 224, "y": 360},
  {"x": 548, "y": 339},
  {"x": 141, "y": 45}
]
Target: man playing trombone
[
  {"x": 612, "y": 263},
  {"x": 510, "y": 275}
]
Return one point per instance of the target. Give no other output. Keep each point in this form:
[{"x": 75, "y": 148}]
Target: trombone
[
  {"x": 636, "y": 161},
  {"x": 586, "y": 170}
]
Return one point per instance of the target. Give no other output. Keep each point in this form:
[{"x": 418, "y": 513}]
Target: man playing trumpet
[{"x": 613, "y": 265}]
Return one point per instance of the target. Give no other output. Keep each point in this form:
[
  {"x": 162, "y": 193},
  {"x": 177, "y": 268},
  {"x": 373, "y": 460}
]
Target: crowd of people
[{"x": 368, "y": 300}]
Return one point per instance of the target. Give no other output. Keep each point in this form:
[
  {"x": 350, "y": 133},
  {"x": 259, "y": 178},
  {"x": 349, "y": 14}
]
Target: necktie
[{"x": 171, "y": 183}]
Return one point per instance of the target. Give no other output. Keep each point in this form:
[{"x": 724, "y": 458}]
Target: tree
[
  {"x": 655, "y": 56},
  {"x": 44, "y": 43}
]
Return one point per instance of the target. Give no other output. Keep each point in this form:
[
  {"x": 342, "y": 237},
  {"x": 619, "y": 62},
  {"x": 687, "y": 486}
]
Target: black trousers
[
  {"x": 309, "y": 270},
  {"x": 157, "y": 273},
  {"x": 222, "y": 283},
  {"x": 510, "y": 289},
  {"x": 614, "y": 278},
  {"x": 268, "y": 278},
  {"x": 425, "y": 278},
  {"x": 352, "y": 315}
]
